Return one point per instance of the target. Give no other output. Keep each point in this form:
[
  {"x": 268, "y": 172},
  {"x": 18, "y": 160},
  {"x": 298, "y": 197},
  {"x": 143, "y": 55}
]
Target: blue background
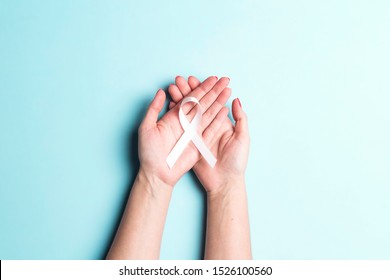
[{"x": 313, "y": 76}]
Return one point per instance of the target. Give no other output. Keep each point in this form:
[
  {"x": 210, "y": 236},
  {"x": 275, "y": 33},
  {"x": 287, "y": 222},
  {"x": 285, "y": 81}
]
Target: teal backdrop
[{"x": 313, "y": 77}]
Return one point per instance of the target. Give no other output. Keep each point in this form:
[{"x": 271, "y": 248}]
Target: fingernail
[
  {"x": 239, "y": 102},
  {"x": 216, "y": 77}
]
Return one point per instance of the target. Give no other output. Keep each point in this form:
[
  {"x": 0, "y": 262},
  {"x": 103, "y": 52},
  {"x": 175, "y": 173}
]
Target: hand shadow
[
  {"x": 132, "y": 160},
  {"x": 133, "y": 167}
]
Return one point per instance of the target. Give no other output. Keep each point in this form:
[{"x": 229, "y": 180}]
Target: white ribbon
[{"x": 190, "y": 134}]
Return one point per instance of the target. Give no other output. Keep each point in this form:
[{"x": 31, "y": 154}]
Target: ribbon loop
[{"x": 190, "y": 134}]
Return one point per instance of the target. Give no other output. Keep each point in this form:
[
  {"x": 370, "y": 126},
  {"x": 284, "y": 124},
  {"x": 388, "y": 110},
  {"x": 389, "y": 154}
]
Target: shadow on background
[{"x": 132, "y": 160}]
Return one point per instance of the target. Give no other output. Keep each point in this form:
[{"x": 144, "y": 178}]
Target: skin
[
  {"x": 228, "y": 234},
  {"x": 140, "y": 231}
]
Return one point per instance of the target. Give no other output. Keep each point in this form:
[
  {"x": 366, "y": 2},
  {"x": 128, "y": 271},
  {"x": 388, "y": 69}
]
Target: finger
[
  {"x": 171, "y": 105},
  {"x": 218, "y": 104},
  {"x": 215, "y": 125},
  {"x": 200, "y": 91},
  {"x": 241, "y": 127},
  {"x": 183, "y": 85},
  {"x": 154, "y": 109},
  {"x": 175, "y": 93},
  {"x": 193, "y": 82},
  {"x": 208, "y": 99}
]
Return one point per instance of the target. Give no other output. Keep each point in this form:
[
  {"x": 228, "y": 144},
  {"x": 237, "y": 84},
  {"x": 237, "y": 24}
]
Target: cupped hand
[
  {"x": 230, "y": 143},
  {"x": 158, "y": 137}
]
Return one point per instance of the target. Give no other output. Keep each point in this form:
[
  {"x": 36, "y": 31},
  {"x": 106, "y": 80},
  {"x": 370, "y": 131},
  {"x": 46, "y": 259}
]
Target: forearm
[
  {"x": 141, "y": 228},
  {"x": 228, "y": 234}
]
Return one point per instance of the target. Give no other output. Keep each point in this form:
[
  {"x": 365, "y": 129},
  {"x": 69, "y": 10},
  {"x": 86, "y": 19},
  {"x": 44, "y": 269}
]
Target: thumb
[
  {"x": 154, "y": 109},
  {"x": 241, "y": 127}
]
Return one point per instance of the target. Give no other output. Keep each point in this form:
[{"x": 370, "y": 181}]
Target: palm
[
  {"x": 157, "y": 142},
  {"x": 232, "y": 157}
]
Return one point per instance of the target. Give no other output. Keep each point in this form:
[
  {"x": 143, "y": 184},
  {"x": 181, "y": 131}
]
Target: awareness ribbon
[{"x": 190, "y": 134}]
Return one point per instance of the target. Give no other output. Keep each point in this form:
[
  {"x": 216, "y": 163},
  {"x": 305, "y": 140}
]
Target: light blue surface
[{"x": 313, "y": 76}]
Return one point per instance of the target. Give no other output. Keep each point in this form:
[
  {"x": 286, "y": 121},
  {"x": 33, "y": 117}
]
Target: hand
[
  {"x": 230, "y": 142},
  {"x": 158, "y": 137}
]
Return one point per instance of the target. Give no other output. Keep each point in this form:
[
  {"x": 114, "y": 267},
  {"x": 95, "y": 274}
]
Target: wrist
[
  {"x": 152, "y": 183},
  {"x": 231, "y": 187}
]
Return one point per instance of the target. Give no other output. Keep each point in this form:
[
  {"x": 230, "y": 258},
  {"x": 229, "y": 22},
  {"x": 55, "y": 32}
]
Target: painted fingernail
[{"x": 239, "y": 102}]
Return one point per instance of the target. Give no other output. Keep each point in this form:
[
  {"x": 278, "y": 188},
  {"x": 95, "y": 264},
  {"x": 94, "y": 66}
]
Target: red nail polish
[{"x": 239, "y": 102}]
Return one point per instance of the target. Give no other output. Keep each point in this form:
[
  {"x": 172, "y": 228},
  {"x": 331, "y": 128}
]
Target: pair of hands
[
  {"x": 227, "y": 236},
  {"x": 228, "y": 142}
]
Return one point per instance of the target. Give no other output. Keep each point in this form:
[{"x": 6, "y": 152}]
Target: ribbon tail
[
  {"x": 179, "y": 148},
  {"x": 204, "y": 150}
]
